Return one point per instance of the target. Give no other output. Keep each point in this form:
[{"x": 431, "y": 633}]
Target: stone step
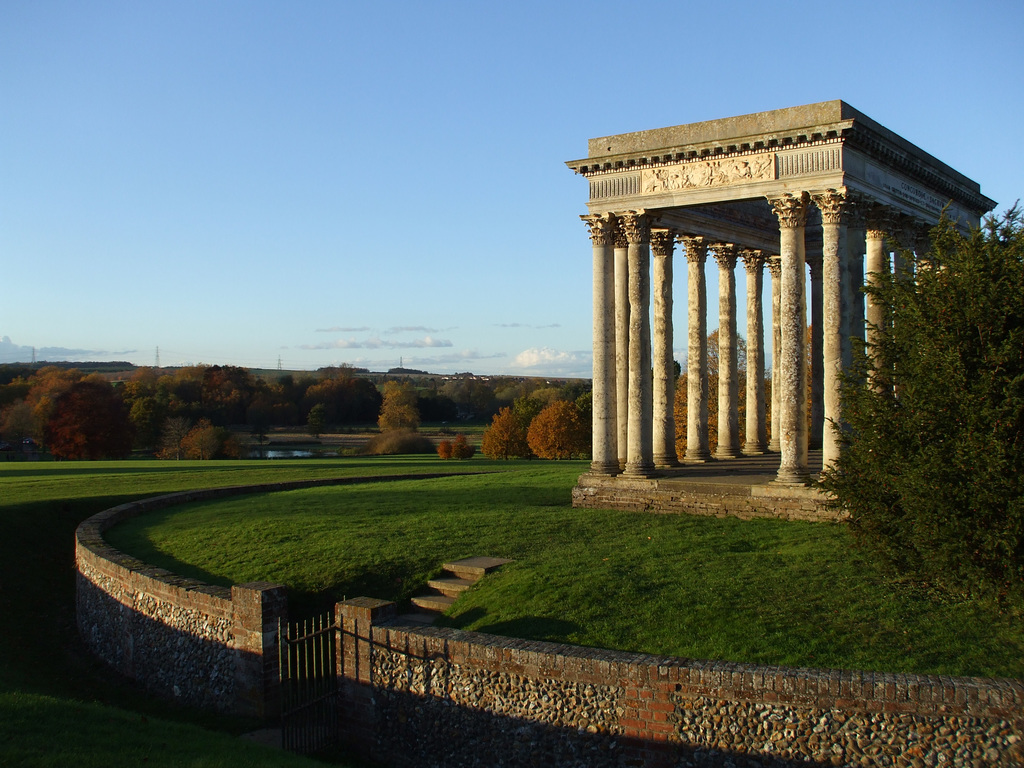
[
  {"x": 439, "y": 603},
  {"x": 452, "y": 586},
  {"x": 475, "y": 568}
]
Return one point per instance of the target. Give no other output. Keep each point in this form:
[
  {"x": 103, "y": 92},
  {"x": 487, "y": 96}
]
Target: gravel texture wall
[
  {"x": 441, "y": 697},
  {"x": 209, "y": 647}
]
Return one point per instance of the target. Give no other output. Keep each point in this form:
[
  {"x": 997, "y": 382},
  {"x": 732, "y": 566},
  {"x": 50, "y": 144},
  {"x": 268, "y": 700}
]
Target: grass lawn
[
  {"x": 760, "y": 591},
  {"x": 59, "y": 706}
]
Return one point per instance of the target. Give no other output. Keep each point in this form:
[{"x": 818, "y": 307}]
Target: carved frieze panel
[{"x": 700, "y": 174}]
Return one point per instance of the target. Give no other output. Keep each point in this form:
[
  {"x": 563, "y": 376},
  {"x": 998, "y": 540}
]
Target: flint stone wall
[
  {"x": 443, "y": 697},
  {"x": 205, "y": 646}
]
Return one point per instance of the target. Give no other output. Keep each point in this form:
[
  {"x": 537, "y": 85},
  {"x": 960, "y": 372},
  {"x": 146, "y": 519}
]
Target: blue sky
[{"x": 337, "y": 182}]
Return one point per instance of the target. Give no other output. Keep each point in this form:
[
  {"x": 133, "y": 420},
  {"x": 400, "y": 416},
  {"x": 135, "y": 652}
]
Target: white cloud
[
  {"x": 375, "y": 342},
  {"x": 552, "y": 362}
]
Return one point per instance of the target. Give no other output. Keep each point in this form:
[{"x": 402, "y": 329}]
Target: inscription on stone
[
  {"x": 709, "y": 173},
  {"x": 903, "y": 190}
]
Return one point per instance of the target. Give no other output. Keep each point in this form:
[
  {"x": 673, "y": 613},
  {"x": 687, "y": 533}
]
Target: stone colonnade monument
[{"x": 819, "y": 187}]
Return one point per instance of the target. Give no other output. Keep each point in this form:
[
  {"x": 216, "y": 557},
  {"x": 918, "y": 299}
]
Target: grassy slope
[
  {"x": 44, "y": 672},
  {"x": 763, "y": 591}
]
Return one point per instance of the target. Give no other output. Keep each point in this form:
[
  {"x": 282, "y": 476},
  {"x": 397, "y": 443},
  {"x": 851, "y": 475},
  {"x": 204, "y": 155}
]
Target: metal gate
[{"x": 309, "y": 684}]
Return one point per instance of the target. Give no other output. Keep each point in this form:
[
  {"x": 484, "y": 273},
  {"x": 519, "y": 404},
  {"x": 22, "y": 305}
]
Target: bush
[
  {"x": 398, "y": 441},
  {"x": 932, "y": 467},
  {"x": 461, "y": 449}
]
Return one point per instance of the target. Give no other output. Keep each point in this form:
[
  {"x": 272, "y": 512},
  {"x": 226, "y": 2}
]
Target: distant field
[{"x": 761, "y": 591}]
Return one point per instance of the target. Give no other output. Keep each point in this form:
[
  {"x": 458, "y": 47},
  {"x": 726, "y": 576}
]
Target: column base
[
  {"x": 697, "y": 458},
  {"x": 605, "y": 468},
  {"x": 666, "y": 462},
  {"x": 774, "y": 447},
  {"x": 756, "y": 450},
  {"x": 639, "y": 470},
  {"x": 792, "y": 477},
  {"x": 728, "y": 453}
]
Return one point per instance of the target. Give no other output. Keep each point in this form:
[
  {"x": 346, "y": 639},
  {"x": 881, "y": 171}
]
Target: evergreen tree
[{"x": 932, "y": 467}]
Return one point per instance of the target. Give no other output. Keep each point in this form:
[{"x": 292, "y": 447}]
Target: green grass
[
  {"x": 788, "y": 593},
  {"x": 44, "y": 667},
  {"x": 759, "y": 591}
]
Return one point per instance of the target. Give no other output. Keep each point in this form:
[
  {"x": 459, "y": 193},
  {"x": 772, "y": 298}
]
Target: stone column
[
  {"x": 854, "y": 279},
  {"x": 876, "y": 265},
  {"x": 621, "y": 341},
  {"x": 639, "y": 446},
  {"x": 697, "y": 352},
  {"x": 834, "y": 325},
  {"x": 792, "y": 213},
  {"x": 754, "y": 262},
  {"x": 728, "y": 399},
  {"x": 817, "y": 375},
  {"x": 775, "y": 268},
  {"x": 605, "y": 439},
  {"x": 662, "y": 242}
]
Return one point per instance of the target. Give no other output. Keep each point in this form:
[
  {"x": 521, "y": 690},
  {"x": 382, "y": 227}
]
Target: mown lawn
[
  {"x": 58, "y": 706},
  {"x": 771, "y": 592}
]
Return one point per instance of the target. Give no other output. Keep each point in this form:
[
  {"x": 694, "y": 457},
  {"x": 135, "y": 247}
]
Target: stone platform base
[{"x": 741, "y": 487}]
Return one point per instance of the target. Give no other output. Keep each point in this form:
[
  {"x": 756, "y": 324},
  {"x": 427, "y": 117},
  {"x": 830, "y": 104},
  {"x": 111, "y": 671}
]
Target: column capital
[
  {"x": 662, "y": 241},
  {"x": 696, "y": 248},
  {"x": 725, "y": 255},
  {"x": 879, "y": 220},
  {"x": 831, "y": 203},
  {"x": 791, "y": 209},
  {"x": 636, "y": 225},
  {"x": 774, "y": 262},
  {"x": 753, "y": 260},
  {"x": 602, "y": 227}
]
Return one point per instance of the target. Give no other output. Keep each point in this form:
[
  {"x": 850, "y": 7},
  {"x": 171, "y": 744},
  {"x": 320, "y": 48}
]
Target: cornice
[
  {"x": 710, "y": 151},
  {"x": 916, "y": 165}
]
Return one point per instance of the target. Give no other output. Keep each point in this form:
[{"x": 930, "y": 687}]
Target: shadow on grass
[{"x": 526, "y": 627}]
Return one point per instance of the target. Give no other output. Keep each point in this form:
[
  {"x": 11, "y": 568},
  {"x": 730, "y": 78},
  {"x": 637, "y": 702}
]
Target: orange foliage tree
[
  {"x": 506, "y": 437},
  {"x": 559, "y": 432}
]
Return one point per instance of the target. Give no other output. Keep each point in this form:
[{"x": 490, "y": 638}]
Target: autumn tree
[
  {"x": 506, "y": 437},
  {"x": 89, "y": 421},
  {"x": 206, "y": 441},
  {"x": 173, "y": 433},
  {"x": 398, "y": 410},
  {"x": 559, "y": 432}
]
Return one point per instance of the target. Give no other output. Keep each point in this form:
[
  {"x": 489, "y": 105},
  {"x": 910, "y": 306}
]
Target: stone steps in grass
[{"x": 442, "y": 592}]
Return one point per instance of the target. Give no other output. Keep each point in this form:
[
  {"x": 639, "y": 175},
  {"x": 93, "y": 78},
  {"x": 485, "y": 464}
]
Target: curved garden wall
[{"x": 426, "y": 696}]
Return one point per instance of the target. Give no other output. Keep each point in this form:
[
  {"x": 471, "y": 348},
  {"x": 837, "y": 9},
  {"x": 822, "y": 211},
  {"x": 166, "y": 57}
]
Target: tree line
[{"x": 200, "y": 411}]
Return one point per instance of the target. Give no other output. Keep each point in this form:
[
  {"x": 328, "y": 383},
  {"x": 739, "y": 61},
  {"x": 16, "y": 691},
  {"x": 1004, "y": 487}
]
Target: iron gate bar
[{"x": 309, "y": 684}]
